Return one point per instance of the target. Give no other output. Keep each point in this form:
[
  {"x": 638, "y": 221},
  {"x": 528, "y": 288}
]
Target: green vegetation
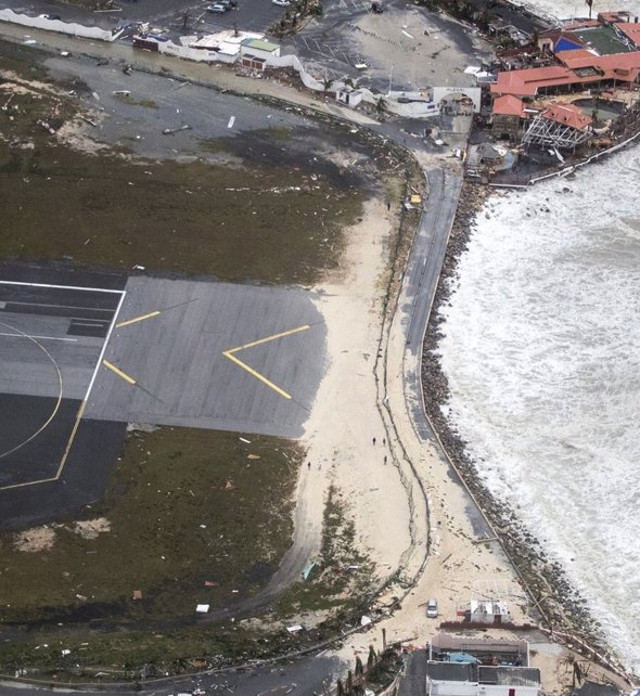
[
  {"x": 132, "y": 654},
  {"x": 179, "y": 645},
  {"x": 187, "y": 218},
  {"x": 189, "y": 516},
  {"x": 267, "y": 220},
  {"x": 342, "y": 573}
]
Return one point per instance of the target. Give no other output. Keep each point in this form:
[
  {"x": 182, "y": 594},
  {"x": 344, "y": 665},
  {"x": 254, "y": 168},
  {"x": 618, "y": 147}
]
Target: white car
[
  {"x": 217, "y": 8},
  {"x": 432, "y": 609},
  {"x": 281, "y": 3}
]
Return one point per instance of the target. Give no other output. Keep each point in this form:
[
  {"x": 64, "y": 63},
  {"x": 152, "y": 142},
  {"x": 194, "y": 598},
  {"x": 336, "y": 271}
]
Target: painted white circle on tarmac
[{"x": 21, "y": 337}]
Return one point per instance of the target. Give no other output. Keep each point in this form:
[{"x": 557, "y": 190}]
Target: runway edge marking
[
  {"x": 83, "y": 405},
  {"x": 62, "y": 287}
]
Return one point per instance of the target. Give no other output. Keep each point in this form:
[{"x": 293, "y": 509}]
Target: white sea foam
[
  {"x": 564, "y": 9},
  {"x": 542, "y": 353}
]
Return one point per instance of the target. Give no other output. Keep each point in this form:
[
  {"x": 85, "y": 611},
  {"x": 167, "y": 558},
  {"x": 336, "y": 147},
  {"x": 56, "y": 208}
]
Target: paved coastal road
[
  {"x": 421, "y": 281},
  {"x": 423, "y": 273}
]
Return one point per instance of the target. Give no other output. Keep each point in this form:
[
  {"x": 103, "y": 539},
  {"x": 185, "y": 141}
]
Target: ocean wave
[
  {"x": 541, "y": 350},
  {"x": 563, "y": 9}
]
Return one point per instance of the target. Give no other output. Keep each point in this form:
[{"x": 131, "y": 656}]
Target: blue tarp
[
  {"x": 566, "y": 45},
  {"x": 462, "y": 657}
]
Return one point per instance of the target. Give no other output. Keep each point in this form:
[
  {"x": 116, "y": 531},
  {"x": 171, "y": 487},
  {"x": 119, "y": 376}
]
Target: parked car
[
  {"x": 432, "y": 609},
  {"x": 217, "y": 8},
  {"x": 281, "y": 3}
]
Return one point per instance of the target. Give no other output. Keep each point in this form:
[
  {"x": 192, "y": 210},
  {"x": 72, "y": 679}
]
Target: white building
[
  {"x": 488, "y": 612},
  {"x": 472, "y": 679},
  {"x": 255, "y": 53}
]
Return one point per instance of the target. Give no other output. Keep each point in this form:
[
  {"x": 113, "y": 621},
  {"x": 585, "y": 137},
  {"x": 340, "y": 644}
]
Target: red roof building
[
  {"x": 527, "y": 83},
  {"x": 631, "y": 31},
  {"x": 622, "y": 66},
  {"x": 569, "y": 115},
  {"x": 581, "y": 67},
  {"x": 508, "y": 105}
]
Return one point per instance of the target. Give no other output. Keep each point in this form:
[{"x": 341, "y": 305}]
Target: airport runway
[
  {"x": 212, "y": 355},
  {"x": 82, "y": 361}
]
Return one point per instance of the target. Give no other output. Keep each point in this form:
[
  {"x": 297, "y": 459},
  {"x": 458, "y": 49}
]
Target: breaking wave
[
  {"x": 541, "y": 349},
  {"x": 563, "y": 9}
]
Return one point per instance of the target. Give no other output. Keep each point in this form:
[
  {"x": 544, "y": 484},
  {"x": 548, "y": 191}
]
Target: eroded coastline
[{"x": 558, "y": 605}]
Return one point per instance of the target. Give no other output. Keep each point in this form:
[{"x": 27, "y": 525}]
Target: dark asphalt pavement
[
  {"x": 332, "y": 41},
  {"x": 414, "y": 679},
  {"x": 423, "y": 273},
  {"x": 421, "y": 280},
  {"x": 166, "y": 16},
  {"x": 208, "y": 113},
  {"x": 27, "y": 400},
  {"x": 301, "y": 677}
]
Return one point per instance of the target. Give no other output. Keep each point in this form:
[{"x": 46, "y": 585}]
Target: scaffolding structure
[{"x": 546, "y": 132}]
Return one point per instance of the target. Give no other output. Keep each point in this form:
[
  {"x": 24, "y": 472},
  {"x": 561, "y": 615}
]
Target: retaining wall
[{"x": 73, "y": 29}]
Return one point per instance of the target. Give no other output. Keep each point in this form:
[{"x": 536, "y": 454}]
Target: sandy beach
[
  {"x": 411, "y": 514},
  {"x": 388, "y": 502}
]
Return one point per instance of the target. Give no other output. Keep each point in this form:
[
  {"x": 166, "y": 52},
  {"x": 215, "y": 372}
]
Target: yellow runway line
[
  {"x": 135, "y": 320},
  {"x": 119, "y": 372},
  {"x": 257, "y": 375},
  {"x": 269, "y": 338}
]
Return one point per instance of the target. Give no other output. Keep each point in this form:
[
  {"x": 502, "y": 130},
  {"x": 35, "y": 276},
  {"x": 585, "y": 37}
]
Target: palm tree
[{"x": 371, "y": 660}]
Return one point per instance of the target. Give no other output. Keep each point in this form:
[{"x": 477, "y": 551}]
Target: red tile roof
[
  {"x": 526, "y": 83},
  {"x": 580, "y": 54},
  {"x": 632, "y": 30},
  {"x": 622, "y": 66},
  {"x": 567, "y": 114},
  {"x": 508, "y": 105}
]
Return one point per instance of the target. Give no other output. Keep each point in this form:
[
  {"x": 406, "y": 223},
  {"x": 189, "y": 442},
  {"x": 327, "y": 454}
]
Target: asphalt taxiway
[{"x": 80, "y": 362}]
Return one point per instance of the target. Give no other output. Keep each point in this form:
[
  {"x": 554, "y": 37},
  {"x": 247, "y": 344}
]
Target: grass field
[
  {"x": 183, "y": 218},
  {"x": 189, "y": 516},
  {"x": 269, "y": 218},
  {"x": 341, "y": 578}
]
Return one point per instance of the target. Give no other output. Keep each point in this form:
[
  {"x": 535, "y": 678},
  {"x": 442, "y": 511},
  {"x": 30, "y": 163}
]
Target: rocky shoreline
[{"x": 559, "y": 606}]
